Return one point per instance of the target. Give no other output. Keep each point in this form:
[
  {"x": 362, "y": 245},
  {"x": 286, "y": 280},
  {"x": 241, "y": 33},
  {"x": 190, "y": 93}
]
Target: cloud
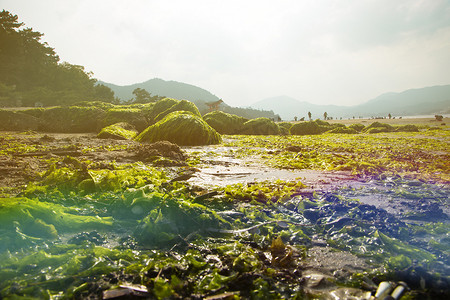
[{"x": 333, "y": 51}]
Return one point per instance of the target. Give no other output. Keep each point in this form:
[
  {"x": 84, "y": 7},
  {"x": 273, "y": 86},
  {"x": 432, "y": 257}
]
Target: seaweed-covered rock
[
  {"x": 377, "y": 127},
  {"x": 306, "y": 128},
  {"x": 159, "y": 107},
  {"x": 225, "y": 123},
  {"x": 182, "y": 128},
  {"x": 260, "y": 126},
  {"x": 344, "y": 129},
  {"x": 358, "y": 127},
  {"x": 73, "y": 119},
  {"x": 162, "y": 153},
  {"x": 118, "y": 131},
  {"x": 407, "y": 128},
  {"x": 182, "y": 105},
  {"x": 133, "y": 116},
  {"x": 14, "y": 120},
  {"x": 284, "y": 127},
  {"x": 97, "y": 104}
]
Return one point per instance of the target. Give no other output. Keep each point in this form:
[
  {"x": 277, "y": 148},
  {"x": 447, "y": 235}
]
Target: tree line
[{"x": 31, "y": 73}]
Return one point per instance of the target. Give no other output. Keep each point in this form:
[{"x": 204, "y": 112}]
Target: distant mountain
[
  {"x": 180, "y": 91},
  {"x": 172, "y": 89},
  {"x": 423, "y": 101},
  {"x": 288, "y": 108}
]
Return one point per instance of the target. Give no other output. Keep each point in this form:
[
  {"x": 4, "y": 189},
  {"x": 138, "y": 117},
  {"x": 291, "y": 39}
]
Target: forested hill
[
  {"x": 31, "y": 73},
  {"x": 156, "y": 86},
  {"x": 180, "y": 90}
]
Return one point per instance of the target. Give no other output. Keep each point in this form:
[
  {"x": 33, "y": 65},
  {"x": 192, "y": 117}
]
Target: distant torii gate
[{"x": 214, "y": 105}]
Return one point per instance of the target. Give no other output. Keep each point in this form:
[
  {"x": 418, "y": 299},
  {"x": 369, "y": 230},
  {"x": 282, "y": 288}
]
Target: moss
[
  {"x": 407, "y": 128},
  {"x": 98, "y": 104},
  {"x": 74, "y": 119},
  {"x": 35, "y": 112},
  {"x": 133, "y": 116},
  {"x": 378, "y": 127},
  {"x": 357, "y": 127},
  {"x": 118, "y": 131},
  {"x": 225, "y": 123},
  {"x": 159, "y": 107},
  {"x": 181, "y": 128},
  {"x": 260, "y": 126},
  {"x": 321, "y": 123},
  {"x": 286, "y": 125},
  {"x": 182, "y": 105},
  {"x": 305, "y": 128},
  {"x": 17, "y": 121},
  {"x": 343, "y": 130}
]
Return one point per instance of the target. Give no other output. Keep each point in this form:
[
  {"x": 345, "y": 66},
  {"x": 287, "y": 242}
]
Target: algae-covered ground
[{"x": 255, "y": 217}]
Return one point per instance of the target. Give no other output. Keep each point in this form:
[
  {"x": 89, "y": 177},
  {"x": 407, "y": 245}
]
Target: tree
[
  {"x": 141, "y": 96},
  {"x": 309, "y": 115},
  {"x": 31, "y": 69},
  {"x": 325, "y": 115}
]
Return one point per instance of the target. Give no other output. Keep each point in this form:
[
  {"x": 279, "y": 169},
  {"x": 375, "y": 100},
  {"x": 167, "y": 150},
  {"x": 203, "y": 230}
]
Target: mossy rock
[
  {"x": 35, "y": 112},
  {"x": 17, "y": 121},
  {"x": 357, "y": 127},
  {"x": 306, "y": 128},
  {"x": 118, "y": 131},
  {"x": 73, "y": 119},
  {"x": 321, "y": 123},
  {"x": 285, "y": 127},
  {"x": 260, "y": 126},
  {"x": 98, "y": 104},
  {"x": 377, "y": 127},
  {"x": 182, "y": 128},
  {"x": 182, "y": 105},
  {"x": 407, "y": 128},
  {"x": 133, "y": 116},
  {"x": 225, "y": 123},
  {"x": 345, "y": 130},
  {"x": 159, "y": 107}
]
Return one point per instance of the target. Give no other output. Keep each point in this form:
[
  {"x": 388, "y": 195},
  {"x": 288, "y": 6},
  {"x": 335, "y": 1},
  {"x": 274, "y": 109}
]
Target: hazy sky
[{"x": 325, "y": 52}]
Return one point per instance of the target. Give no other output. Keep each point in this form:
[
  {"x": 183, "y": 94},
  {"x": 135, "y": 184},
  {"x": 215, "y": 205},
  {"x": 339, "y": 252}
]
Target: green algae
[
  {"x": 121, "y": 131},
  {"x": 181, "y": 128},
  {"x": 14, "y": 120},
  {"x": 159, "y": 107},
  {"x": 182, "y": 105},
  {"x": 423, "y": 155},
  {"x": 172, "y": 218},
  {"x": 225, "y": 123},
  {"x": 73, "y": 119},
  {"x": 260, "y": 126},
  {"x": 133, "y": 116},
  {"x": 306, "y": 128},
  {"x": 157, "y": 234},
  {"x": 38, "y": 219}
]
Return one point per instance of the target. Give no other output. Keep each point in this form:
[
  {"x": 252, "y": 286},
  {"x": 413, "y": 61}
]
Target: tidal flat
[{"x": 262, "y": 217}]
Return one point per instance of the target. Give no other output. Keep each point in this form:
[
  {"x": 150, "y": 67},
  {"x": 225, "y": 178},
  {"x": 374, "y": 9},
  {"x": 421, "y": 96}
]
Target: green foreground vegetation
[
  {"x": 84, "y": 228},
  {"x": 108, "y": 215}
]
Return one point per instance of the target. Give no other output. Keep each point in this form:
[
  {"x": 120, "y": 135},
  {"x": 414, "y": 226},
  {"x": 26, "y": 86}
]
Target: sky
[{"x": 341, "y": 52}]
